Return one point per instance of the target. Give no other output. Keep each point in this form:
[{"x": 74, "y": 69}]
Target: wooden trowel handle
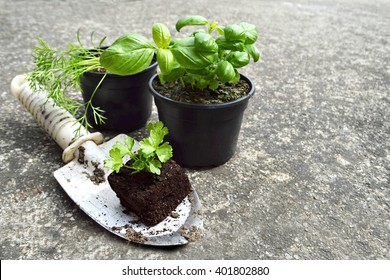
[{"x": 56, "y": 121}]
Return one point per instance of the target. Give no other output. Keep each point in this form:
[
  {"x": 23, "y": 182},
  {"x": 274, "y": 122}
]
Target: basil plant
[{"x": 200, "y": 59}]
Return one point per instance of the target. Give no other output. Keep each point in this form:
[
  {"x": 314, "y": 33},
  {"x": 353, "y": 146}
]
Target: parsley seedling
[{"x": 153, "y": 152}]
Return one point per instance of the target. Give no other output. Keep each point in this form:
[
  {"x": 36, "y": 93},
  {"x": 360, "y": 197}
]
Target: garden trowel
[{"x": 84, "y": 177}]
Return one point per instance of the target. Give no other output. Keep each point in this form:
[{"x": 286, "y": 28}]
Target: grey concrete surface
[{"x": 311, "y": 175}]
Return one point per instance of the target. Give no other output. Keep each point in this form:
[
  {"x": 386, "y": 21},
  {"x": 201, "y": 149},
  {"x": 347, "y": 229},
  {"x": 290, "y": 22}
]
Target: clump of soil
[
  {"x": 81, "y": 158},
  {"x": 98, "y": 174},
  {"x": 151, "y": 197},
  {"x": 134, "y": 236},
  {"x": 191, "y": 234},
  {"x": 226, "y": 92}
]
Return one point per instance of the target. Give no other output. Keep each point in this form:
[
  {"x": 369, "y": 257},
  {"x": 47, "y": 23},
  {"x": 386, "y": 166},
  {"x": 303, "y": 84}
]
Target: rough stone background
[{"x": 311, "y": 175}]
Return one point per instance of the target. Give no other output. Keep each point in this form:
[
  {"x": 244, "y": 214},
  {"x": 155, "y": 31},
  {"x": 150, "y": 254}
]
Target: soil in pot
[
  {"x": 151, "y": 197},
  {"x": 224, "y": 93}
]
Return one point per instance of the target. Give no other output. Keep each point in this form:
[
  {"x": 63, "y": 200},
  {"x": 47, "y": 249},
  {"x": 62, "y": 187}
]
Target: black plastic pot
[
  {"x": 125, "y": 99},
  {"x": 201, "y": 135}
]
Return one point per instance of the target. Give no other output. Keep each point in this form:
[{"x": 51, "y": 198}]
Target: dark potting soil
[
  {"x": 226, "y": 92},
  {"x": 98, "y": 173},
  {"x": 151, "y": 197}
]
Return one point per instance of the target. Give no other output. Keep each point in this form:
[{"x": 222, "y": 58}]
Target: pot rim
[{"x": 155, "y": 93}]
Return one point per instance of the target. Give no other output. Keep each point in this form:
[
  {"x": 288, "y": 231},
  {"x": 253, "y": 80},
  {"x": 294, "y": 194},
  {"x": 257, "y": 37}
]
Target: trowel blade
[{"x": 84, "y": 179}]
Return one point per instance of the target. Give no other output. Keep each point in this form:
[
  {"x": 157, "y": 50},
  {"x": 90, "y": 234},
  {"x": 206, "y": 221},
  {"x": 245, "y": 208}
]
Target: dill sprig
[{"x": 58, "y": 73}]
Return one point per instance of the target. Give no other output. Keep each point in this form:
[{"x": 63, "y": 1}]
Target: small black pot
[
  {"x": 125, "y": 99},
  {"x": 201, "y": 135}
]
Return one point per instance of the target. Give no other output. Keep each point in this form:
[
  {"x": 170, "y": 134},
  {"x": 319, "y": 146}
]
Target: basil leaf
[
  {"x": 238, "y": 59},
  {"x": 250, "y": 32},
  {"x": 128, "y": 55},
  {"x": 202, "y": 83},
  {"x": 223, "y": 44},
  {"x": 176, "y": 72},
  {"x": 188, "y": 56},
  {"x": 161, "y": 35},
  {"x": 225, "y": 71},
  {"x": 202, "y": 72},
  {"x": 205, "y": 42},
  {"x": 214, "y": 84},
  {"x": 165, "y": 60},
  {"x": 253, "y": 51},
  {"x": 190, "y": 20},
  {"x": 235, "y": 32},
  {"x": 191, "y": 79},
  {"x": 220, "y": 30},
  {"x": 237, "y": 77}
]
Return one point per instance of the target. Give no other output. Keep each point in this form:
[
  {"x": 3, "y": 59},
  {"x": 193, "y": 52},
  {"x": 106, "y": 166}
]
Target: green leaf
[
  {"x": 176, "y": 72},
  {"x": 124, "y": 149},
  {"x": 253, "y": 51},
  {"x": 189, "y": 57},
  {"x": 237, "y": 77},
  {"x": 202, "y": 83},
  {"x": 225, "y": 71},
  {"x": 204, "y": 42},
  {"x": 213, "y": 26},
  {"x": 138, "y": 165},
  {"x": 223, "y": 44},
  {"x": 214, "y": 84},
  {"x": 220, "y": 30},
  {"x": 190, "y": 21},
  {"x": 203, "y": 72},
  {"x": 235, "y": 32},
  {"x": 191, "y": 79},
  {"x": 128, "y": 55},
  {"x": 130, "y": 143},
  {"x": 164, "y": 152},
  {"x": 157, "y": 132},
  {"x": 154, "y": 167},
  {"x": 238, "y": 59},
  {"x": 250, "y": 32},
  {"x": 150, "y": 155},
  {"x": 161, "y": 35},
  {"x": 165, "y": 60},
  {"x": 115, "y": 161},
  {"x": 147, "y": 146}
]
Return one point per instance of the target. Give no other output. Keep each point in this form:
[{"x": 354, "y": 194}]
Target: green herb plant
[
  {"x": 58, "y": 72},
  {"x": 201, "y": 60},
  {"x": 204, "y": 59},
  {"x": 150, "y": 156}
]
